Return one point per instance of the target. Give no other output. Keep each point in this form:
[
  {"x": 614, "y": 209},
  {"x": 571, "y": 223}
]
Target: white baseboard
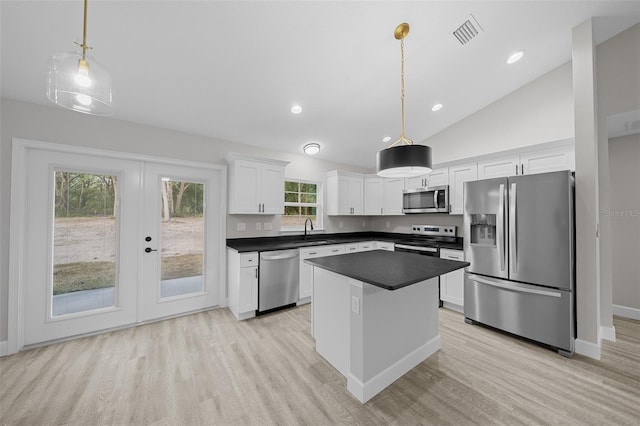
[
  {"x": 608, "y": 333},
  {"x": 626, "y": 312},
  {"x": 589, "y": 349},
  {"x": 453, "y": 307},
  {"x": 365, "y": 391},
  {"x": 4, "y": 348}
]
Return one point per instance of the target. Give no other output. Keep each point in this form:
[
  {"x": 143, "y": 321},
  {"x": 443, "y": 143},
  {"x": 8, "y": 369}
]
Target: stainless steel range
[{"x": 428, "y": 239}]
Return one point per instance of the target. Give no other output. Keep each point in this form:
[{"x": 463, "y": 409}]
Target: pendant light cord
[
  {"x": 402, "y": 139},
  {"x": 84, "y": 33}
]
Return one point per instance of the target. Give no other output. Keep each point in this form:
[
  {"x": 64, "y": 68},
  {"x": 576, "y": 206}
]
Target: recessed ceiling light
[
  {"x": 296, "y": 109},
  {"x": 386, "y": 139},
  {"x": 515, "y": 57},
  {"x": 437, "y": 107},
  {"x": 311, "y": 148}
]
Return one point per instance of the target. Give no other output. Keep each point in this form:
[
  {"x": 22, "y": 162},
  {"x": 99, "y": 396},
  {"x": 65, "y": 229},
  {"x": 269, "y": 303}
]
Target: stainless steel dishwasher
[{"x": 279, "y": 279}]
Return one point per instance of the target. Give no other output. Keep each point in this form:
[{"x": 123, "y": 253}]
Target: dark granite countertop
[
  {"x": 387, "y": 269},
  {"x": 244, "y": 245}
]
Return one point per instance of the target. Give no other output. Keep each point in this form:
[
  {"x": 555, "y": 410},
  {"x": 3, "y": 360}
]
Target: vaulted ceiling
[{"x": 232, "y": 70}]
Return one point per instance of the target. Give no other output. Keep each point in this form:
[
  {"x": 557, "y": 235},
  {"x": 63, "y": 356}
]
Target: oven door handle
[
  {"x": 435, "y": 199},
  {"x": 427, "y": 249}
]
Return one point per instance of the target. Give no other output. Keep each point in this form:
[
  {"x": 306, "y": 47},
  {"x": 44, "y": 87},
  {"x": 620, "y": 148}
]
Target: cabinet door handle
[
  {"x": 256, "y": 273},
  {"x": 516, "y": 170},
  {"x": 521, "y": 169}
]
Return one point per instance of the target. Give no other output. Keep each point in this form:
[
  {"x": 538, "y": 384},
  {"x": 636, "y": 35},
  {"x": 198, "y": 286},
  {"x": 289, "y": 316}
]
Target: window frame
[{"x": 318, "y": 225}]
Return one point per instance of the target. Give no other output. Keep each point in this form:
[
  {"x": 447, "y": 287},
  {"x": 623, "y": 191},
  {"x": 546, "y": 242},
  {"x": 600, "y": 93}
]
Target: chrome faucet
[{"x": 305, "y": 227}]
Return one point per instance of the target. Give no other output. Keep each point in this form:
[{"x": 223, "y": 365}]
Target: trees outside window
[{"x": 301, "y": 202}]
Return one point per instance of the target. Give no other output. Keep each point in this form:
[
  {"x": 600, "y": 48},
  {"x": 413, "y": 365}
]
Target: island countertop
[{"x": 387, "y": 269}]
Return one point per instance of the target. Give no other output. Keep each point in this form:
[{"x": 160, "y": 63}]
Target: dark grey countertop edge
[{"x": 245, "y": 245}]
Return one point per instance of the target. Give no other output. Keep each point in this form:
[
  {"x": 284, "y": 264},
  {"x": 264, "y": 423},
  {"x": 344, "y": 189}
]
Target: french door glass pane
[
  {"x": 84, "y": 242},
  {"x": 182, "y": 266}
]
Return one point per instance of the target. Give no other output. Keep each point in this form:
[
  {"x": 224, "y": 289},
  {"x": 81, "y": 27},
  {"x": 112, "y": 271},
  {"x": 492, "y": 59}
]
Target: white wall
[
  {"x": 618, "y": 91},
  {"x": 52, "y": 124},
  {"x": 624, "y": 213},
  {"x": 540, "y": 111}
]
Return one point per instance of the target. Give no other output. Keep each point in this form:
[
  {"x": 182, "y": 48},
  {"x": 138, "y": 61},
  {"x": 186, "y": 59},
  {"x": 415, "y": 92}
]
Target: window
[{"x": 301, "y": 202}]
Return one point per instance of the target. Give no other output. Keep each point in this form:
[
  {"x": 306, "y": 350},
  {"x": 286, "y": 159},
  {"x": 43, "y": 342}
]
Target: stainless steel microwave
[{"x": 426, "y": 200}]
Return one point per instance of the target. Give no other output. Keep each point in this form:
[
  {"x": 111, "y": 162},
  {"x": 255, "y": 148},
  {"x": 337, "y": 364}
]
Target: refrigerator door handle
[
  {"x": 513, "y": 238},
  {"x": 507, "y": 286},
  {"x": 500, "y": 227}
]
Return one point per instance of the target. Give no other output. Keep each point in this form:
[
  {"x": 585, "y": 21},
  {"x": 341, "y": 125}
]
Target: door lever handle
[{"x": 149, "y": 250}]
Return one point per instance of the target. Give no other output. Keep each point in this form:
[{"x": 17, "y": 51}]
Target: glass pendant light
[
  {"x": 403, "y": 158},
  {"x": 77, "y": 82}
]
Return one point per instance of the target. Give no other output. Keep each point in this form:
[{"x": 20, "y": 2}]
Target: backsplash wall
[{"x": 402, "y": 224}]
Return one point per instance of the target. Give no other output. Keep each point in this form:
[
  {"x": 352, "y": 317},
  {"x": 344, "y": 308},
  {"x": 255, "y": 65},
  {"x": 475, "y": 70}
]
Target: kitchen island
[{"x": 375, "y": 314}]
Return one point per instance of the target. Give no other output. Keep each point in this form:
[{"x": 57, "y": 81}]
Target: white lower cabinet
[
  {"x": 367, "y": 246},
  {"x": 242, "y": 269},
  {"x": 452, "y": 284},
  {"x": 384, "y": 245},
  {"x": 351, "y": 247},
  {"x": 306, "y": 270}
]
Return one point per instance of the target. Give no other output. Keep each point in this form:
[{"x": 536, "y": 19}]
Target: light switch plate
[
  {"x": 242, "y": 227},
  {"x": 267, "y": 226},
  {"x": 355, "y": 305},
  {"x": 258, "y": 226}
]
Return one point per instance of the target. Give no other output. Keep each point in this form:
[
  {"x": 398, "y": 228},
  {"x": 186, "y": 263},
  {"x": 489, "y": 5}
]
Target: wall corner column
[{"x": 586, "y": 191}]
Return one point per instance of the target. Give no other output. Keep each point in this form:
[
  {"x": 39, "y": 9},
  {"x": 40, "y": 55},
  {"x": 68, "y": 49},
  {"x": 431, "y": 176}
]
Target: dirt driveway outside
[{"x": 85, "y": 239}]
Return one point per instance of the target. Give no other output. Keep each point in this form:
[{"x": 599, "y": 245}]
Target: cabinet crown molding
[{"x": 232, "y": 156}]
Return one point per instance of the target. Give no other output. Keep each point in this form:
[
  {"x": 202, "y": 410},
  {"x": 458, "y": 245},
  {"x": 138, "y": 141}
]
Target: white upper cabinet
[
  {"x": 502, "y": 166},
  {"x": 458, "y": 175},
  {"x": 438, "y": 177},
  {"x": 382, "y": 196},
  {"x": 256, "y": 186},
  {"x": 392, "y": 196},
  {"x": 373, "y": 195},
  {"x": 345, "y": 193},
  {"x": 548, "y": 160},
  {"x": 526, "y": 162}
]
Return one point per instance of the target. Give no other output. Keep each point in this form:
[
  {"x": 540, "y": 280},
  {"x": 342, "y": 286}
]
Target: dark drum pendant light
[{"x": 406, "y": 159}]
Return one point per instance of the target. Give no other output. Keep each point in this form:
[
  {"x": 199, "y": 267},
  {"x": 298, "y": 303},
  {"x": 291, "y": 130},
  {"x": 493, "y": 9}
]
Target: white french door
[
  {"x": 181, "y": 240},
  {"x": 110, "y": 241}
]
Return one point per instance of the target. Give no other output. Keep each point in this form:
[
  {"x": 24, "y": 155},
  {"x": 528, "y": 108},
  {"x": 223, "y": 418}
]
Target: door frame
[{"x": 17, "y": 233}]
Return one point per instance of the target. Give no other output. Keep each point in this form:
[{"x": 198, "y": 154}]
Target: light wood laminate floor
[{"x": 208, "y": 368}]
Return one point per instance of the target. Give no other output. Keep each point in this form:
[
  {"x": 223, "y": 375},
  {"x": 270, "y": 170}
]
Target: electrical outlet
[
  {"x": 267, "y": 226},
  {"x": 388, "y": 224},
  {"x": 341, "y": 225},
  {"x": 355, "y": 305},
  {"x": 242, "y": 227},
  {"x": 364, "y": 223},
  {"x": 258, "y": 226}
]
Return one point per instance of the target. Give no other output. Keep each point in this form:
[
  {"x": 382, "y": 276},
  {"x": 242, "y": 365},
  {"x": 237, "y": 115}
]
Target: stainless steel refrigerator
[{"x": 519, "y": 239}]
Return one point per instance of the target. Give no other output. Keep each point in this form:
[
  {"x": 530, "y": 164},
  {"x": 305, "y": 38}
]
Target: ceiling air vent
[{"x": 468, "y": 30}]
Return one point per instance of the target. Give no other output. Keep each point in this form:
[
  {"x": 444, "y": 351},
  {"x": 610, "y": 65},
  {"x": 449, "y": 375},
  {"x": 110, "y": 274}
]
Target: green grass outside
[{"x": 70, "y": 277}]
